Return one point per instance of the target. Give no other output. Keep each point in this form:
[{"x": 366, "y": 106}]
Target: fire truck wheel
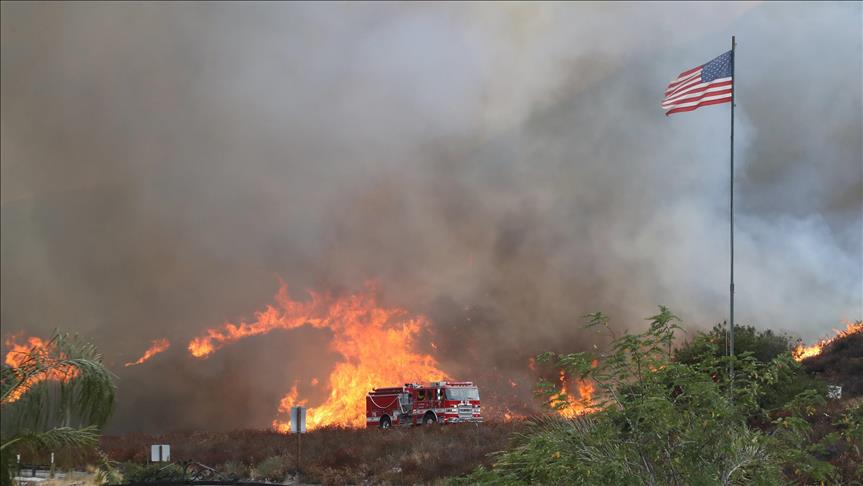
[
  {"x": 385, "y": 422},
  {"x": 429, "y": 419}
]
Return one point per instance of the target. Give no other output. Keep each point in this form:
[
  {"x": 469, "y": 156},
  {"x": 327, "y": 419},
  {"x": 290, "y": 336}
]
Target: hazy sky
[{"x": 163, "y": 164}]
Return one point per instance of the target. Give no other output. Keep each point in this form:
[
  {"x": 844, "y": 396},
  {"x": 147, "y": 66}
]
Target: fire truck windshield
[{"x": 462, "y": 394}]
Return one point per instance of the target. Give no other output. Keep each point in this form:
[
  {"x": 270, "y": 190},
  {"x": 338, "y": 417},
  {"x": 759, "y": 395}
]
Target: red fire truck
[{"x": 445, "y": 402}]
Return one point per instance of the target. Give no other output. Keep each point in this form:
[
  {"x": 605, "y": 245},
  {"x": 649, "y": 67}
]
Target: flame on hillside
[
  {"x": 21, "y": 355},
  {"x": 802, "y": 352},
  {"x": 156, "y": 347},
  {"x": 510, "y": 416},
  {"x": 570, "y": 406},
  {"x": 375, "y": 342},
  {"x": 291, "y": 399}
]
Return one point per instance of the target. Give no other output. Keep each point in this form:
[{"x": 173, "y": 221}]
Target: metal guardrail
[
  {"x": 198, "y": 475},
  {"x": 32, "y": 468},
  {"x": 197, "y": 482}
]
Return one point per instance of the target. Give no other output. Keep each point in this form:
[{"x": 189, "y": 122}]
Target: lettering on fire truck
[{"x": 445, "y": 402}]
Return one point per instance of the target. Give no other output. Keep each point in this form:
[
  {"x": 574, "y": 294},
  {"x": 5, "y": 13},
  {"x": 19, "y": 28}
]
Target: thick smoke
[{"x": 502, "y": 168}]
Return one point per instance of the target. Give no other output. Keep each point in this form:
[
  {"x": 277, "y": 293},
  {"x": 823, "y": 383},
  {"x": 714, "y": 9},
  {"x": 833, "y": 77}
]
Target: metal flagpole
[{"x": 731, "y": 220}]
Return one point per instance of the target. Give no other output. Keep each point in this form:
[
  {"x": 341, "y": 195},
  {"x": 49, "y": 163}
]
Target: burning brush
[
  {"x": 377, "y": 344},
  {"x": 802, "y": 352}
]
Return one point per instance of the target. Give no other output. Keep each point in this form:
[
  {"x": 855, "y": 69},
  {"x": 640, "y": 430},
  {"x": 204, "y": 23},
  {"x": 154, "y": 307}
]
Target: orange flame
[
  {"x": 510, "y": 416},
  {"x": 156, "y": 347},
  {"x": 574, "y": 407},
  {"x": 376, "y": 342},
  {"x": 802, "y": 352},
  {"x": 285, "y": 404},
  {"x": 19, "y": 354}
]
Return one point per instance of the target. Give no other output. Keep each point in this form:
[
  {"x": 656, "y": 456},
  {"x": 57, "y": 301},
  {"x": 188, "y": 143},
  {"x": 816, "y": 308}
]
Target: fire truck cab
[{"x": 444, "y": 402}]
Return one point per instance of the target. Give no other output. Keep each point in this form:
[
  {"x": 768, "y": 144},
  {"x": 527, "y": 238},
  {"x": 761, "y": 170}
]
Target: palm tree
[{"x": 56, "y": 396}]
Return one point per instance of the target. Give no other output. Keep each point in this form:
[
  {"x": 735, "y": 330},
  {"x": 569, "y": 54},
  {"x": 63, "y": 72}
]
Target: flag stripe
[
  {"x": 682, "y": 87},
  {"x": 708, "y": 96},
  {"x": 689, "y": 71},
  {"x": 705, "y": 95},
  {"x": 675, "y": 84},
  {"x": 709, "y": 87},
  {"x": 683, "y": 78},
  {"x": 697, "y": 88},
  {"x": 699, "y": 105}
]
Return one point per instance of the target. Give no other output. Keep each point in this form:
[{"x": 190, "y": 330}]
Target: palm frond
[
  {"x": 55, "y": 439},
  {"x": 62, "y": 386}
]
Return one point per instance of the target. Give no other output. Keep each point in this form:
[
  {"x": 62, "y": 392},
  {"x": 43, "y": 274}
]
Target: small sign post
[
  {"x": 160, "y": 453},
  {"x": 298, "y": 426}
]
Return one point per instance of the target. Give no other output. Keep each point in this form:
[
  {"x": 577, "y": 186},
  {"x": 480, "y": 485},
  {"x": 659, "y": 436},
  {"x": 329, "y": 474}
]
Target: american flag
[{"x": 708, "y": 84}]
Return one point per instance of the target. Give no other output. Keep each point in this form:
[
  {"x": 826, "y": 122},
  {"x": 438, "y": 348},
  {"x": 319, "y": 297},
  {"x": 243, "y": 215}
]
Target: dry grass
[
  {"x": 419, "y": 455},
  {"x": 76, "y": 478}
]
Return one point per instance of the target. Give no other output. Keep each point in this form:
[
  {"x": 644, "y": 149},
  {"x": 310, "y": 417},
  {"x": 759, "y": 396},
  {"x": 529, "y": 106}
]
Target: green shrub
[
  {"x": 148, "y": 473},
  {"x": 233, "y": 470},
  {"x": 764, "y": 345},
  {"x": 273, "y": 468},
  {"x": 660, "y": 420}
]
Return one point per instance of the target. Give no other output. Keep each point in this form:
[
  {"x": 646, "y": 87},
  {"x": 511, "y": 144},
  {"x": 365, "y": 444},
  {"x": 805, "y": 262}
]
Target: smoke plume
[{"x": 500, "y": 168}]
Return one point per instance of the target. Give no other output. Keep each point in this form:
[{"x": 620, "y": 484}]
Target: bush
[
  {"x": 149, "y": 473},
  {"x": 234, "y": 470},
  {"x": 273, "y": 468},
  {"x": 764, "y": 345},
  {"x": 664, "y": 421}
]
